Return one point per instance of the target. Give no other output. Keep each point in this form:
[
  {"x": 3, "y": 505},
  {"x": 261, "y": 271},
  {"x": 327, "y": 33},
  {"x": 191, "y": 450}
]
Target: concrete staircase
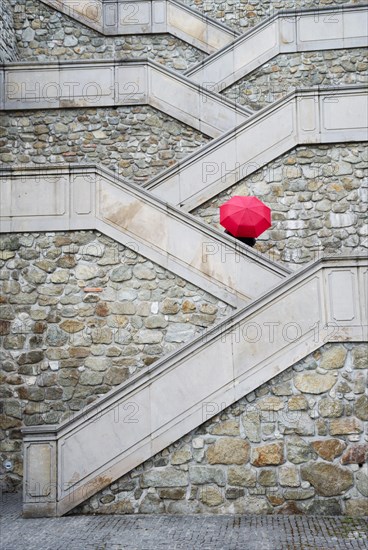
[
  {"x": 287, "y": 31},
  {"x": 324, "y": 302},
  {"x": 309, "y": 116},
  {"x": 66, "y": 464},
  {"x": 116, "y": 17},
  {"x": 75, "y": 198}
]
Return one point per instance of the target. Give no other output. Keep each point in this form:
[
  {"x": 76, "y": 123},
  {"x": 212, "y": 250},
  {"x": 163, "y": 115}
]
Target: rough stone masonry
[
  {"x": 298, "y": 444},
  {"x": 79, "y": 314}
]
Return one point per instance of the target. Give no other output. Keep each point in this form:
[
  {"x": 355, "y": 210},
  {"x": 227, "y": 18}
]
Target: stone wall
[
  {"x": 136, "y": 142},
  {"x": 318, "y": 197},
  {"x": 244, "y": 14},
  {"x": 44, "y": 34},
  {"x": 8, "y": 51},
  {"x": 298, "y": 444},
  {"x": 62, "y": 345},
  {"x": 284, "y": 73}
]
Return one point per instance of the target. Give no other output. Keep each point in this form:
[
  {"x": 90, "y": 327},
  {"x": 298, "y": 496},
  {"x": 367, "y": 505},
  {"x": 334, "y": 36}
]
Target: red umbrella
[{"x": 245, "y": 216}]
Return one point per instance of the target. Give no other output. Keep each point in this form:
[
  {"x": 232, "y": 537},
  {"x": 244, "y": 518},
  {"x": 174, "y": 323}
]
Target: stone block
[
  {"x": 267, "y": 455},
  {"x": 314, "y": 383},
  {"x": 228, "y": 451},
  {"x": 201, "y": 475},
  {"x": 355, "y": 454},
  {"x": 329, "y": 449},
  {"x": 327, "y": 479},
  {"x": 289, "y": 476},
  {"x": 164, "y": 477},
  {"x": 333, "y": 358},
  {"x": 345, "y": 426},
  {"x": 211, "y": 496}
]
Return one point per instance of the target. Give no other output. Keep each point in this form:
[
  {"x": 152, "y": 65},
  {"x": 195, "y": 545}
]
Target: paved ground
[{"x": 177, "y": 532}]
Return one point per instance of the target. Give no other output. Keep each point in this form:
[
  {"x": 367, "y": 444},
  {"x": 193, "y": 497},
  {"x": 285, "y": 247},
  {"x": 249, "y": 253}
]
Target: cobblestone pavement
[{"x": 177, "y": 532}]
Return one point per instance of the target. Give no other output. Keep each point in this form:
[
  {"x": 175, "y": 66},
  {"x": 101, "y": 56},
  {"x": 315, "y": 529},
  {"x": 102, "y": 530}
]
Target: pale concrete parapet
[
  {"x": 62, "y": 198},
  {"x": 110, "y": 83},
  {"x": 289, "y": 31},
  {"x": 306, "y": 116},
  {"x": 121, "y": 17},
  {"x": 99, "y": 444}
]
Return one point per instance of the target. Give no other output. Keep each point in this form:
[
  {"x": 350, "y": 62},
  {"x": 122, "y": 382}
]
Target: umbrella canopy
[{"x": 245, "y": 216}]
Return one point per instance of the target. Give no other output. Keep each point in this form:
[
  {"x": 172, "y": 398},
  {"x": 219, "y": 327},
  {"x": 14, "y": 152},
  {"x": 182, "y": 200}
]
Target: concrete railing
[
  {"x": 63, "y": 198},
  {"x": 126, "y": 17},
  {"x": 293, "y": 31},
  {"x": 310, "y": 116},
  {"x": 66, "y": 464},
  {"x": 111, "y": 83}
]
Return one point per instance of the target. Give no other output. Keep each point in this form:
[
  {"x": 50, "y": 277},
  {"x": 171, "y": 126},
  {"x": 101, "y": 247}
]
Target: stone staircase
[
  {"x": 309, "y": 116},
  {"x": 287, "y": 31},
  {"x": 68, "y": 463},
  {"x": 75, "y": 198},
  {"x": 113, "y": 17}
]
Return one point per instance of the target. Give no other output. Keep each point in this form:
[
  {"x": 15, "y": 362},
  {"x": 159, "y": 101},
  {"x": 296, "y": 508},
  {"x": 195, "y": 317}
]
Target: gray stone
[
  {"x": 201, "y": 475},
  {"x": 314, "y": 383},
  {"x": 333, "y": 358},
  {"x": 155, "y": 321},
  {"x": 228, "y": 451},
  {"x": 327, "y": 479},
  {"x": 252, "y": 505},
  {"x": 86, "y": 272},
  {"x": 121, "y": 273},
  {"x": 148, "y": 337},
  {"x": 361, "y": 481},
  {"x": 28, "y": 34},
  {"x": 289, "y": 476},
  {"x": 298, "y": 494},
  {"x": 242, "y": 476},
  {"x": 361, "y": 407},
  {"x": 91, "y": 378},
  {"x": 210, "y": 496},
  {"x": 179, "y": 332},
  {"x": 181, "y": 456},
  {"x": 330, "y": 408},
  {"x": 298, "y": 450},
  {"x": 164, "y": 477},
  {"x": 360, "y": 356},
  {"x": 143, "y": 272},
  {"x": 325, "y": 507},
  {"x": 252, "y": 426}
]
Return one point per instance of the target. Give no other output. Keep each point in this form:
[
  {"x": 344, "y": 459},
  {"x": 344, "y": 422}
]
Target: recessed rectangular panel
[
  {"x": 287, "y": 30},
  {"x": 5, "y": 196},
  {"x": 30, "y": 86},
  {"x": 43, "y": 196},
  {"x": 308, "y": 109},
  {"x": 39, "y": 469},
  {"x": 159, "y": 12},
  {"x": 89, "y": 83},
  {"x": 341, "y": 112},
  {"x": 342, "y": 294},
  {"x": 355, "y": 24},
  {"x": 82, "y": 195},
  {"x": 320, "y": 26}
]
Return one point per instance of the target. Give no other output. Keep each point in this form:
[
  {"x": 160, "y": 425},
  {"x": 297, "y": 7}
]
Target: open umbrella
[{"x": 245, "y": 216}]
